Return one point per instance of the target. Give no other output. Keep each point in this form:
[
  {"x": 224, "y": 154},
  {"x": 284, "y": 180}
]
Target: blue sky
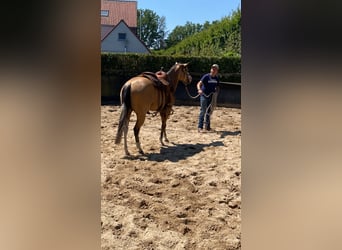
[{"x": 178, "y": 12}]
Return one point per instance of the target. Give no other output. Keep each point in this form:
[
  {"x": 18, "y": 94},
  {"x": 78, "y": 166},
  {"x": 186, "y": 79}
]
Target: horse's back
[{"x": 144, "y": 96}]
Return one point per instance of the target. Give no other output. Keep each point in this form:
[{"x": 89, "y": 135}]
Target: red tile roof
[
  {"x": 105, "y": 30},
  {"x": 119, "y": 10}
]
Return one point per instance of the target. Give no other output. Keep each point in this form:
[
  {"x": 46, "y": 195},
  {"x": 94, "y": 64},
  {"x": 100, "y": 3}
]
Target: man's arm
[{"x": 199, "y": 86}]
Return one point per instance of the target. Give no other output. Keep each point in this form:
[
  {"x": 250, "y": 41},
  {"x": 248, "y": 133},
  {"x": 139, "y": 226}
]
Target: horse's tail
[{"x": 126, "y": 108}]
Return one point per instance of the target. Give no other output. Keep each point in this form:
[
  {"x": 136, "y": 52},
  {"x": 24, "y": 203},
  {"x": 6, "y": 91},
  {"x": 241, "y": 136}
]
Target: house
[
  {"x": 119, "y": 27},
  {"x": 121, "y": 39}
]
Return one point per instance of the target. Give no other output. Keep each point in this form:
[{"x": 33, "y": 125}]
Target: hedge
[{"x": 125, "y": 66}]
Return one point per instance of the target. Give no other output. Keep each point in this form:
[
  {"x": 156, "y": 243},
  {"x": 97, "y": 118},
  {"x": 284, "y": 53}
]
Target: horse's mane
[{"x": 173, "y": 68}]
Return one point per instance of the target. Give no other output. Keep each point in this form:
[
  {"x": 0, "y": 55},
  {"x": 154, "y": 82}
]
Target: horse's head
[{"x": 183, "y": 73}]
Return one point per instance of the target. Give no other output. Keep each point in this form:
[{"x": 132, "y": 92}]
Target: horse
[{"x": 149, "y": 92}]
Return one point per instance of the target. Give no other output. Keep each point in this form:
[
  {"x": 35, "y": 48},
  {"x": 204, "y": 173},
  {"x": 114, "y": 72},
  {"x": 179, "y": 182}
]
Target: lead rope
[
  {"x": 213, "y": 103},
  {"x": 194, "y": 97}
]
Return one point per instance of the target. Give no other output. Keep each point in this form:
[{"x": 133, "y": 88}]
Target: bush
[
  {"x": 116, "y": 69},
  {"x": 125, "y": 66}
]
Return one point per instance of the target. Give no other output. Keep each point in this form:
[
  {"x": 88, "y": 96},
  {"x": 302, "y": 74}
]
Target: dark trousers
[{"x": 204, "y": 116}]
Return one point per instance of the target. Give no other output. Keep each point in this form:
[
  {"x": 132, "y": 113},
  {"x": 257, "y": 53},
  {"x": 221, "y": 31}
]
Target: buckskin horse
[{"x": 149, "y": 92}]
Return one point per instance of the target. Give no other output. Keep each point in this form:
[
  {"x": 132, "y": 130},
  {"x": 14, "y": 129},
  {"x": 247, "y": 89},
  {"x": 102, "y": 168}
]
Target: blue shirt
[{"x": 209, "y": 83}]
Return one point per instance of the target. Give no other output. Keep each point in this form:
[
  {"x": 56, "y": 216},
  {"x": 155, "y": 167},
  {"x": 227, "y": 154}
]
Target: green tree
[
  {"x": 179, "y": 33},
  {"x": 151, "y": 29},
  {"x": 220, "y": 38}
]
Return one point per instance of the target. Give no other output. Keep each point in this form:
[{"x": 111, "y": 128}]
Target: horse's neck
[{"x": 173, "y": 79}]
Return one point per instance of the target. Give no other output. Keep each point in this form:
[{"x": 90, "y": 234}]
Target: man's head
[
  {"x": 215, "y": 66},
  {"x": 214, "y": 69}
]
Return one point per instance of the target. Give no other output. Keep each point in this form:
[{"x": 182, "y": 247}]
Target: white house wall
[{"x": 132, "y": 44}]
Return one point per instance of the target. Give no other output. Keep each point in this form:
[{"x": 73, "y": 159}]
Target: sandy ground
[{"x": 185, "y": 195}]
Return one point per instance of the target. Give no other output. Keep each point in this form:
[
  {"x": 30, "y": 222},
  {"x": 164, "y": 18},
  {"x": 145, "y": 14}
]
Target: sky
[{"x": 178, "y": 12}]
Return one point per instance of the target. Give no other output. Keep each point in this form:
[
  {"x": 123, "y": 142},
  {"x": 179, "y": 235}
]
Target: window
[
  {"x": 122, "y": 36},
  {"x": 104, "y": 12}
]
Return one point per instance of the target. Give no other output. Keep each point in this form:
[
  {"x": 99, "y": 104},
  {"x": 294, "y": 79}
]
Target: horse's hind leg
[
  {"x": 138, "y": 124},
  {"x": 126, "y": 122}
]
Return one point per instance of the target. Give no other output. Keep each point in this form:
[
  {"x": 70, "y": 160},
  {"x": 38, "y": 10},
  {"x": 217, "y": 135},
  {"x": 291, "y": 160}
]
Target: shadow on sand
[
  {"x": 228, "y": 133},
  {"x": 176, "y": 152}
]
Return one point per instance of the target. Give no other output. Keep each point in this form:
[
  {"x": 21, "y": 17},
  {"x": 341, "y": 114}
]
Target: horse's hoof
[{"x": 141, "y": 152}]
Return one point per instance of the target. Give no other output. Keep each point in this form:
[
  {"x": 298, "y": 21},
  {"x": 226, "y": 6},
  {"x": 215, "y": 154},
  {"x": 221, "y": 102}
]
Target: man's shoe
[{"x": 200, "y": 130}]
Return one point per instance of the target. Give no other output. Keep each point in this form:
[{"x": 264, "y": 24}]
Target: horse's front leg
[
  {"x": 164, "y": 116},
  {"x": 163, "y": 133}
]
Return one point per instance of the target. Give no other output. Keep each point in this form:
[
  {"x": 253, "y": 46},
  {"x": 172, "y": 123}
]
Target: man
[{"x": 206, "y": 87}]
